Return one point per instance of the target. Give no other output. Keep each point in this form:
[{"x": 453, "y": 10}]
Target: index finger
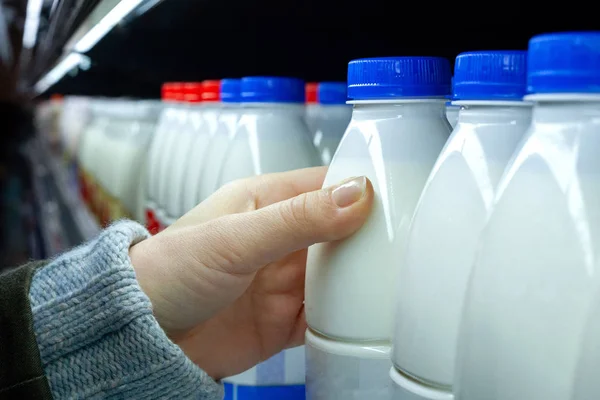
[
  {"x": 272, "y": 188},
  {"x": 253, "y": 193}
]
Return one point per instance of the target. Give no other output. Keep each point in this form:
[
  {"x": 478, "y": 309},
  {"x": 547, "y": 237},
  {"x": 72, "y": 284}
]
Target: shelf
[
  {"x": 104, "y": 16},
  {"x": 65, "y": 221}
]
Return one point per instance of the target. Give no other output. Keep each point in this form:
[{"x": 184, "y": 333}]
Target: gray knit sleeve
[{"x": 96, "y": 333}]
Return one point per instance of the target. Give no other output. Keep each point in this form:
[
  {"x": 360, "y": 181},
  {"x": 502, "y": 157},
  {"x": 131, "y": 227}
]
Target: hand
[{"x": 226, "y": 281}]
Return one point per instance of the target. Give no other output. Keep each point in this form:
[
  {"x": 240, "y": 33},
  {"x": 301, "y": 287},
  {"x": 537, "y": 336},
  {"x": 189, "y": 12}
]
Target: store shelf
[{"x": 64, "y": 220}]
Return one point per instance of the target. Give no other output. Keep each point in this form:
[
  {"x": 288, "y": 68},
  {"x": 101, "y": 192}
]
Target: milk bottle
[
  {"x": 397, "y": 130},
  {"x": 159, "y": 140},
  {"x": 115, "y": 148},
  {"x": 220, "y": 140},
  {"x": 133, "y": 148},
  {"x": 271, "y": 135},
  {"x": 331, "y": 119},
  {"x": 452, "y": 113},
  {"x": 204, "y": 124},
  {"x": 87, "y": 151},
  {"x": 185, "y": 154},
  {"x": 535, "y": 281},
  {"x": 171, "y": 150},
  {"x": 452, "y": 110},
  {"x": 450, "y": 215}
]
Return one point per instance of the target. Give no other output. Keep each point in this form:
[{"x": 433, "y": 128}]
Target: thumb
[{"x": 250, "y": 240}]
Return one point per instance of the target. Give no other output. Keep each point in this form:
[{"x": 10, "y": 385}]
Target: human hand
[{"x": 226, "y": 281}]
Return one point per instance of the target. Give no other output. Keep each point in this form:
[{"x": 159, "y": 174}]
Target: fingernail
[{"x": 349, "y": 192}]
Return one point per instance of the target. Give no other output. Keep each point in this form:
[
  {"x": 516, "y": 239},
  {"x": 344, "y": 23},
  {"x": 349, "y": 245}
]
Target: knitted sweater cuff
[{"x": 95, "y": 330}]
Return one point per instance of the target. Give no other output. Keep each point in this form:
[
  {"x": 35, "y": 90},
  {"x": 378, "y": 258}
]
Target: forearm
[{"x": 95, "y": 329}]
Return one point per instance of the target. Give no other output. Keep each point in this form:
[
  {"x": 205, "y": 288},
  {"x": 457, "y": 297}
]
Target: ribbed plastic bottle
[
  {"x": 185, "y": 154},
  {"x": 396, "y": 133},
  {"x": 452, "y": 110},
  {"x": 331, "y": 118},
  {"x": 535, "y": 279},
  {"x": 221, "y": 139},
  {"x": 451, "y": 213},
  {"x": 271, "y": 135},
  {"x": 167, "y": 153},
  {"x": 204, "y": 124},
  {"x": 156, "y": 147}
]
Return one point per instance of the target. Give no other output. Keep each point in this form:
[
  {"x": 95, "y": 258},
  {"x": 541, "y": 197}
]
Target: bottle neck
[
  {"x": 491, "y": 112},
  {"x": 425, "y": 108},
  {"x": 557, "y": 110},
  {"x": 280, "y": 108}
]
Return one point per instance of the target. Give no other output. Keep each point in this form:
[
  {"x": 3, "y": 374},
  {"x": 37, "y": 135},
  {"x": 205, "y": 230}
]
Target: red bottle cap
[
  {"x": 192, "y": 92},
  {"x": 211, "y": 90},
  {"x": 310, "y": 90}
]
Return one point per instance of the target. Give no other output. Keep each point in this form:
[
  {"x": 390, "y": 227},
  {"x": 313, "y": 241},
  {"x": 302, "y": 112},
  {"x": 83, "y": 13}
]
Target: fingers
[
  {"x": 272, "y": 188},
  {"x": 244, "y": 242}
]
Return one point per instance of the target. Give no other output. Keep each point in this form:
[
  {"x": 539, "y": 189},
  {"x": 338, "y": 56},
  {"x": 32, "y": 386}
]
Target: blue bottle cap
[
  {"x": 332, "y": 92},
  {"x": 272, "y": 89},
  {"x": 567, "y": 62},
  {"x": 393, "y": 77},
  {"x": 490, "y": 75},
  {"x": 230, "y": 90}
]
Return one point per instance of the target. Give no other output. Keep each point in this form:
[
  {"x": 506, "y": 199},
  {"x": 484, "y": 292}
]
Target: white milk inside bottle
[
  {"x": 87, "y": 151},
  {"x": 117, "y": 149},
  {"x": 149, "y": 111},
  {"x": 170, "y": 152},
  {"x": 219, "y": 142},
  {"x": 159, "y": 140},
  {"x": 452, "y": 113},
  {"x": 449, "y": 217},
  {"x": 141, "y": 123},
  {"x": 534, "y": 280},
  {"x": 271, "y": 136},
  {"x": 205, "y": 126},
  {"x": 397, "y": 130},
  {"x": 332, "y": 118},
  {"x": 187, "y": 153}
]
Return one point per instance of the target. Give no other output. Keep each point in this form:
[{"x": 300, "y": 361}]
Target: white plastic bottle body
[
  {"x": 535, "y": 276},
  {"x": 269, "y": 138},
  {"x": 165, "y": 162},
  {"x": 452, "y": 114},
  {"x": 444, "y": 233},
  {"x": 89, "y": 141},
  {"x": 137, "y": 144},
  {"x": 311, "y": 114},
  {"x": 350, "y": 284},
  {"x": 586, "y": 385},
  {"x": 156, "y": 153},
  {"x": 201, "y": 153},
  {"x": 216, "y": 152},
  {"x": 329, "y": 127},
  {"x": 88, "y": 152},
  {"x": 185, "y": 154},
  {"x": 346, "y": 371}
]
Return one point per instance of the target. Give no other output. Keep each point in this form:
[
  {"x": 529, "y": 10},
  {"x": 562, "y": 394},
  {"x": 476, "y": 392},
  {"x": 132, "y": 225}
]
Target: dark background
[{"x": 186, "y": 40}]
